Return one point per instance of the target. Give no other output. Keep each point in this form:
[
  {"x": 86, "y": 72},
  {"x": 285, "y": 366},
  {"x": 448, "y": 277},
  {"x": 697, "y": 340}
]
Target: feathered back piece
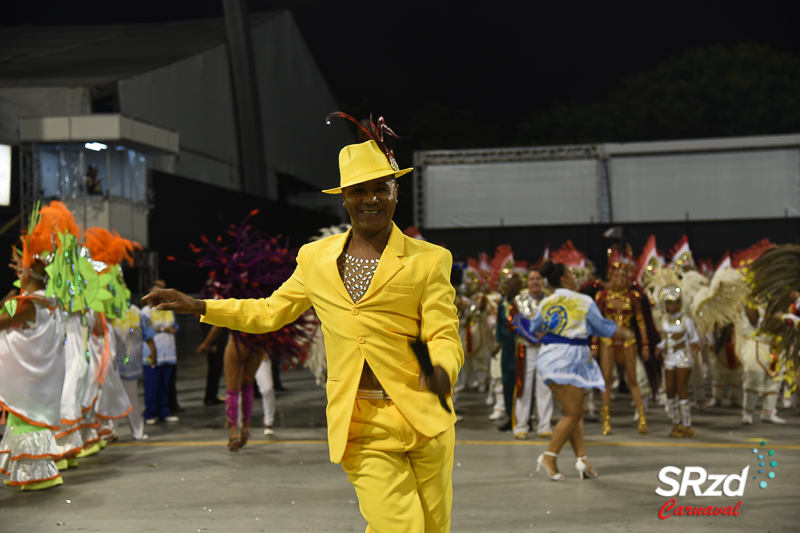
[
  {"x": 682, "y": 255},
  {"x": 488, "y": 275},
  {"x": 472, "y": 276},
  {"x": 581, "y": 267},
  {"x": 721, "y": 301},
  {"x": 544, "y": 257},
  {"x": 377, "y": 131},
  {"x": 569, "y": 255},
  {"x": 665, "y": 285},
  {"x": 774, "y": 275},
  {"x": 744, "y": 258},
  {"x": 249, "y": 263},
  {"x": 692, "y": 283},
  {"x": 45, "y": 227},
  {"x": 706, "y": 267},
  {"x": 109, "y": 248},
  {"x": 649, "y": 262},
  {"x": 503, "y": 263},
  {"x": 724, "y": 262}
]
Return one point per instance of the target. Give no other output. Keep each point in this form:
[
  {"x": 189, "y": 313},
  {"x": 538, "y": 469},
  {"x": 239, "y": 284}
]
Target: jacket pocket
[{"x": 400, "y": 289}]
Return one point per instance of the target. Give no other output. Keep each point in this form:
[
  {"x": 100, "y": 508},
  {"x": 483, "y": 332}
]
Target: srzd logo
[{"x": 694, "y": 477}]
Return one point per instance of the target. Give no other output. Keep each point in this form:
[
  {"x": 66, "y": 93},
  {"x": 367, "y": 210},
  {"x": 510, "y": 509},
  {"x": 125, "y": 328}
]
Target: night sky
[{"x": 500, "y": 63}]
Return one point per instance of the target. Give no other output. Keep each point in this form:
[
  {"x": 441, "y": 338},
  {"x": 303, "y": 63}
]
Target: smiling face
[
  {"x": 535, "y": 283},
  {"x": 371, "y": 204}
]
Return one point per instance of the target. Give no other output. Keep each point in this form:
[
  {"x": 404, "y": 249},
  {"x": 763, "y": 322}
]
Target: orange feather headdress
[
  {"x": 108, "y": 247},
  {"x": 43, "y": 231}
]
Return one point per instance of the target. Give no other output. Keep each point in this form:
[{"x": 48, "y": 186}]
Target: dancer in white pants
[
  {"x": 762, "y": 370},
  {"x": 544, "y": 400},
  {"x": 527, "y": 303},
  {"x": 265, "y": 384}
]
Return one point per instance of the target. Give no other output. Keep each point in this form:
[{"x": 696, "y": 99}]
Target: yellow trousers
[{"x": 403, "y": 480}]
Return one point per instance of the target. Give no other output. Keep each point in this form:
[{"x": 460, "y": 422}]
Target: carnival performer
[
  {"x": 679, "y": 342},
  {"x": 254, "y": 264},
  {"x": 728, "y": 300},
  {"x": 108, "y": 251},
  {"x": 375, "y": 291},
  {"x": 567, "y": 319},
  {"x": 506, "y": 335},
  {"x": 622, "y": 305},
  {"x": 726, "y": 370},
  {"x": 317, "y": 361},
  {"x": 494, "y": 398},
  {"x": 476, "y": 339},
  {"x": 528, "y": 379},
  {"x": 129, "y": 360},
  {"x": 92, "y": 329},
  {"x": 775, "y": 279},
  {"x": 263, "y": 378},
  {"x": 762, "y": 371},
  {"x": 724, "y": 364},
  {"x": 583, "y": 271},
  {"x": 683, "y": 263},
  {"x": 159, "y": 326},
  {"x": 32, "y": 360},
  {"x": 75, "y": 285},
  {"x": 490, "y": 279}
]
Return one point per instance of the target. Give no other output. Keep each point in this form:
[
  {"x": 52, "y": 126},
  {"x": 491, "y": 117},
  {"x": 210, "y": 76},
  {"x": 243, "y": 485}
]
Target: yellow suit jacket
[{"x": 410, "y": 297}]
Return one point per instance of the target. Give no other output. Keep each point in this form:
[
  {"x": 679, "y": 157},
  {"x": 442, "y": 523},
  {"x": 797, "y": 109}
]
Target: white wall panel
[
  {"x": 706, "y": 186},
  {"x": 524, "y": 193}
]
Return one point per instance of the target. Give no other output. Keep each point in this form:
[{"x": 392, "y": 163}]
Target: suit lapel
[
  {"x": 390, "y": 263},
  {"x": 331, "y": 269}
]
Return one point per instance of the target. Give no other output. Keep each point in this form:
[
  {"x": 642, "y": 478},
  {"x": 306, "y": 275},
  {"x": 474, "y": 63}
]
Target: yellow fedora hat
[{"x": 363, "y": 162}]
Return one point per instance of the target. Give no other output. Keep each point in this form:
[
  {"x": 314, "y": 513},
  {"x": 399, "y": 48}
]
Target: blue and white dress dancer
[{"x": 563, "y": 324}]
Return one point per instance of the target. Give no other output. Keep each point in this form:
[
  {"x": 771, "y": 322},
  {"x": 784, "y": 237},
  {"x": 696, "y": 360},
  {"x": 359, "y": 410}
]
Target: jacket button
[
  {"x": 355, "y": 312},
  {"x": 361, "y": 340}
]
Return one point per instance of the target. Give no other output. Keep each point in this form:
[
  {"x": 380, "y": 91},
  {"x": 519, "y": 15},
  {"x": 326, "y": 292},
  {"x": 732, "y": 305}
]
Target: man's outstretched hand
[{"x": 176, "y": 301}]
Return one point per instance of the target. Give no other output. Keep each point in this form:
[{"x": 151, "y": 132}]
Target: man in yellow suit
[{"x": 375, "y": 291}]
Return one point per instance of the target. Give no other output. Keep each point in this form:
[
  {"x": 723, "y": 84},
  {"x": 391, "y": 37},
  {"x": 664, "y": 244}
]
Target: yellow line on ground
[
  {"x": 631, "y": 444},
  {"x": 150, "y": 444}
]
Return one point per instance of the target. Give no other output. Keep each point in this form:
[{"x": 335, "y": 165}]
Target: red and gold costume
[
  {"x": 625, "y": 309},
  {"x": 623, "y": 305}
]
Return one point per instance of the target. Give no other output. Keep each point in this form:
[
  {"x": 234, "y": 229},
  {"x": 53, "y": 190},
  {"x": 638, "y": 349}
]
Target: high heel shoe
[
  {"x": 642, "y": 422},
  {"x": 580, "y": 466},
  {"x": 234, "y": 443},
  {"x": 244, "y": 436},
  {"x": 558, "y": 476},
  {"x": 605, "y": 418}
]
